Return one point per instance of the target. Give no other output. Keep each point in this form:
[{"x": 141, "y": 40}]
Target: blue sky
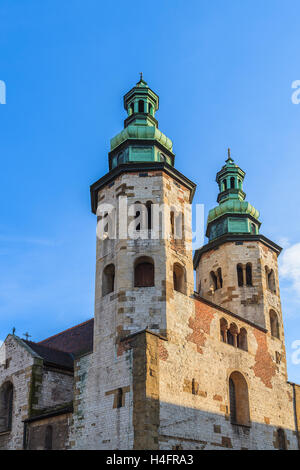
[{"x": 223, "y": 71}]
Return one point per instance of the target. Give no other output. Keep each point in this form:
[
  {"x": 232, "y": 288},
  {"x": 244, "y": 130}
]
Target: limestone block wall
[
  {"x": 17, "y": 368},
  {"x": 194, "y": 370},
  {"x": 252, "y": 303},
  {"x": 97, "y": 422},
  {"x": 56, "y": 388}
]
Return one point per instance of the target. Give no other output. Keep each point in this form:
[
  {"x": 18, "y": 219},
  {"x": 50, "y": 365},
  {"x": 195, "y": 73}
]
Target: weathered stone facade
[{"x": 161, "y": 366}]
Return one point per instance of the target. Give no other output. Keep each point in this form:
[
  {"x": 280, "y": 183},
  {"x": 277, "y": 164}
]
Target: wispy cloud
[{"x": 289, "y": 267}]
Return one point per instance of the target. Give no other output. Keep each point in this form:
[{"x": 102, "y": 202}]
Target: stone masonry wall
[
  {"x": 56, "y": 388},
  {"x": 17, "y": 369},
  {"x": 194, "y": 371}
]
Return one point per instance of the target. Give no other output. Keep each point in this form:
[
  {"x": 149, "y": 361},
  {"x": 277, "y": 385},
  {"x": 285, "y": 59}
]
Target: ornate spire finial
[
  {"x": 229, "y": 153},
  {"x": 141, "y": 76},
  {"x": 27, "y": 335}
]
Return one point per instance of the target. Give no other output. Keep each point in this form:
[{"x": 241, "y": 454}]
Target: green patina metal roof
[
  {"x": 140, "y": 140},
  {"x": 233, "y": 214},
  {"x": 143, "y": 133}
]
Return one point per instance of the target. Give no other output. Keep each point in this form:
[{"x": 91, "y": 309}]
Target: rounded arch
[
  {"x": 239, "y": 399},
  {"x": 274, "y": 324},
  {"x": 144, "y": 272},
  {"x": 108, "y": 279},
  {"x": 6, "y": 406},
  {"x": 179, "y": 278}
]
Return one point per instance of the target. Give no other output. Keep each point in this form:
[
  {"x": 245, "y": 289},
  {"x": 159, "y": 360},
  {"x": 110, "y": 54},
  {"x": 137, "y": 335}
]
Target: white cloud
[{"x": 289, "y": 266}]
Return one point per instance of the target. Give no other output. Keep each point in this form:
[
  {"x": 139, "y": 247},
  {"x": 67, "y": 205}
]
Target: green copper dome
[
  {"x": 233, "y": 214},
  {"x": 140, "y": 140}
]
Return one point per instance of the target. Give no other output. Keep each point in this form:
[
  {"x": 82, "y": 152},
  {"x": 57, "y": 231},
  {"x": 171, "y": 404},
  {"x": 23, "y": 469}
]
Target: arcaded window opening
[
  {"x": 144, "y": 272},
  {"x": 232, "y": 183},
  {"x": 223, "y": 330},
  {"x": 108, "y": 280}
]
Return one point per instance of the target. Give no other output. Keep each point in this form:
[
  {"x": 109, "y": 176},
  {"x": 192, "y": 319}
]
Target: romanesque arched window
[
  {"x": 108, "y": 279},
  {"x": 239, "y": 399},
  {"x": 239, "y": 270},
  {"x": 132, "y": 108},
  {"x": 274, "y": 324},
  {"x": 49, "y": 438},
  {"x": 224, "y": 185},
  {"x": 6, "y": 406},
  {"x": 179, "y": 278},
  {"x": 249, "y": 274},
  {"x": 232, "y": 183},
  {"x": 144, "y": 272}
]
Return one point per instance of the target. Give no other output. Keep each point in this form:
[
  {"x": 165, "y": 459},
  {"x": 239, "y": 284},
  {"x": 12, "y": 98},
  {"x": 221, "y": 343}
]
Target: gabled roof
[
  {"x": 75, "y": 340},
  {"x": 52, "y": 356}
]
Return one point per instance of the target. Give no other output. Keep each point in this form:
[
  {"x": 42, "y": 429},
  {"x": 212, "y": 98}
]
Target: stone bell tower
[
  {"x": 134, "y": 271},
  {"x": 237, "y": 269},
  {"x": 140, "y": 204}
]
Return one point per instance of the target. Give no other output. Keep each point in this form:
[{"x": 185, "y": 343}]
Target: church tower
[
  {"x": 237, "y": 269},
  {"x": 144, "y": 263}
]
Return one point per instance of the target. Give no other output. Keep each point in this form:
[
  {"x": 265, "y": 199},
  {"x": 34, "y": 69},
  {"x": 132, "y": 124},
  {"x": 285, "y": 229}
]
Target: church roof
[
  {"x": 52, "y": 356},
  {"x": 75, "y": 340}
]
